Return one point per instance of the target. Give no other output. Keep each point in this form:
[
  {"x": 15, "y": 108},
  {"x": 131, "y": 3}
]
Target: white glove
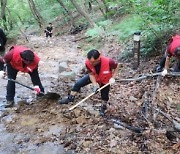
[
  {"x": 164, "y": 72},
  {"x": 112, "y": 80},
  {"x": 2, "y": 74},
  {"x": 37, "y": 89}
]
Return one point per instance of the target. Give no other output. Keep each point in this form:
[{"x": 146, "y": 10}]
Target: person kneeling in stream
[{"x": 101, "y": 70}]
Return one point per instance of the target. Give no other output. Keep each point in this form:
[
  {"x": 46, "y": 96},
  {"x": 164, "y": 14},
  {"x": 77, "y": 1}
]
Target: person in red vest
[
  {"x": 101, "y": 70},
  {"x": 173, "y": 50},
  {"x": 20, "y": 58}
]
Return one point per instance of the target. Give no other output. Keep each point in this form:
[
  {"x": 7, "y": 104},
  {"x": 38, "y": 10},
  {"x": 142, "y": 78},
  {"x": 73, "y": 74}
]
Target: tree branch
[{"x": 149, "y": 75}]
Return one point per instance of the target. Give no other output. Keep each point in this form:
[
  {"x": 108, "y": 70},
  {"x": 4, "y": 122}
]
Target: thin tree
[
  {"x": 15, "y": 23},
  {"x": 3, "y": 14},
  {"x": 36, "y": 13},
  {"x": 83, "y": 13},
  {"x": 67, "y": 11},
  {"x": 100, "y": 8},
  {"x": 105, "y": 5}
]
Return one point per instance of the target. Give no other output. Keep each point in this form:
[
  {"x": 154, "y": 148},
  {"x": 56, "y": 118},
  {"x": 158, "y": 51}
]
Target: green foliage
[
  {"x": 159, "y": 17},
  {"x": 12, "y": 33},
  {"x": 155, "y": 18},
  {"x": 126, "y": 27},
  {"x": 95, "y": 32},
  {"x": 95, "y": 43}
]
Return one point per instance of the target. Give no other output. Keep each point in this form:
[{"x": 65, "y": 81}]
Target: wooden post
[{"x": 136, "y": 50}]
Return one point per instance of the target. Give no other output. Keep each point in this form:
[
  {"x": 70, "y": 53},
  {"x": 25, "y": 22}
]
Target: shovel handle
[
  {"x": 22, "y": 84},
  {"x": 88, "y": 96}
]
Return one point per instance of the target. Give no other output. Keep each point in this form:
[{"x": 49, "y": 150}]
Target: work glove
[
  {"x": 164, "y": 72},
  {"x": 37, "y": 90},
  {"x": 111, "y": 80},
  {"x": 2, "y": 74},
  {"x": 95, "y": 89}
]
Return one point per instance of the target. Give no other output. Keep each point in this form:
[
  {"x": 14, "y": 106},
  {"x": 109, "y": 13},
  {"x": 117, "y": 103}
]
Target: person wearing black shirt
[
  {"x": 48, "y": 31},
  {"x": 3, "y": 40}
]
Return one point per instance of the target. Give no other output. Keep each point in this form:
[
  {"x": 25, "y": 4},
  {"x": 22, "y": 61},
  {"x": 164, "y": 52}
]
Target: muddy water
[
  {"x": 29, "y": 135},
  {"x": 19, "y": 143}
]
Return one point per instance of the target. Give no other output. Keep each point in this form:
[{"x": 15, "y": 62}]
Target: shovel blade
[{"x": 52, "y": 96}]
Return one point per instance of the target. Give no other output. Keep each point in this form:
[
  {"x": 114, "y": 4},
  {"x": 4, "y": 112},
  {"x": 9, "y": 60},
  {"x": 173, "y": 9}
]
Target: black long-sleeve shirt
[{"x": 3, "y": 38}]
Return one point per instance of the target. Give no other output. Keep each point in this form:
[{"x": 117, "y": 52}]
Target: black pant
[
  {"x": 12, "y": 73},
  {"x": 48, "y": 34},
  {"x": 85, "y": 80}
]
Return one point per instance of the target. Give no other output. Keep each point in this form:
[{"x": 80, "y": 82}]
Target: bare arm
[
  {"x": 115, "y": 71},
  {"x": 93, "y": 79},
  {"x": 167, "y": 63}
]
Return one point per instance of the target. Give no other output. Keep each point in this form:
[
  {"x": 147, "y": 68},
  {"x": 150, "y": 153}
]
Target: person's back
[{"x": 3, "y": 40}]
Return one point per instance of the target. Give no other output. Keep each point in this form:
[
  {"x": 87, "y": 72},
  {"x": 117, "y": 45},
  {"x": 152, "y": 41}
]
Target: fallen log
[
  {"x": 132, "y": 128},
  {"x": 175, "y": 74},
  {"x": 115, "y": 120},
  {"x": 144, "y": 110},
  {"x": 175, "y": 123},
  {"x": 154, "y": 97}
]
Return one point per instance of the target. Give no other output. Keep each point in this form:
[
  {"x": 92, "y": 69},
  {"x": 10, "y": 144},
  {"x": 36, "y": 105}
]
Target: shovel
[
  {"x": 89, "y": 96},
  {"x": 49, "y": 95}
]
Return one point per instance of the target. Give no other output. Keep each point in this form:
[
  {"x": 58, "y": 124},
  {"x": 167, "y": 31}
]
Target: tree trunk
[
  {"x": 90, "y": 6},
  {"x": 36, "y": 14},
  {"x": 15, "y": 23},
  {"x": 83, "y": 13},
  {"x": 3, "y": 14},
  {"x": 10, "y": 19},
  {"x": 67, "y": 11},
  {"x": 105, "y": 5},
  {"x": 100, "y": 8}
]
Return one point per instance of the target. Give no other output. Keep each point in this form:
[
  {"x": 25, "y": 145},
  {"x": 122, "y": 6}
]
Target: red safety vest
[
  {"x": 16, "y": 61},
  {"x": 105, "y": 73},
  {"x": 174, "y": 44}
]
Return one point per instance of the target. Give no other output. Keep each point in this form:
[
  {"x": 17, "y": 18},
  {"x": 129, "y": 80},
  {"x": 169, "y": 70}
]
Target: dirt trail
[
  {"x": 43, "y": 126},
  {"x": 26, "y": 122}
]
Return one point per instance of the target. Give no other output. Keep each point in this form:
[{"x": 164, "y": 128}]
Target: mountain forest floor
[{"x": 43, "y": 126}]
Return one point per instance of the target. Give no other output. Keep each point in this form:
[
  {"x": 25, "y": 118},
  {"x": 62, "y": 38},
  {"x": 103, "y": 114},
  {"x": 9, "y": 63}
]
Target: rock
[
  {"x": 49, "y": 148},
  {"x": 62, "y": 67},
  {"x": 92, "y": 111},
  {"x": 67, "y": 75},
  {"x": 111, "y": 130},
  {"x": 118, "y": 126},
  {"x": 77, "y": 112},
  {"x": 132, "y": 99},
  {"x": 28, "y": 121},
  {"x": 113, "y": 143},
  {"x": 36, "y": 46},
  {"x": 87, "y": 143},
  {"x": 81, "y": 120}
]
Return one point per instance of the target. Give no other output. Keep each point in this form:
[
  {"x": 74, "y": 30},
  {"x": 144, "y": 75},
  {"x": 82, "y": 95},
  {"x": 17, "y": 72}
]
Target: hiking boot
[
  {"x": 66, "y": 100},
  {"x": 102, "y": 110},
  {"x": 9, "y": 104},
  {"x": 159, "y": 69}
]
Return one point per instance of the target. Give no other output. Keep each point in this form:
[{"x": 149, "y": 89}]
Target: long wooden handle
[
  {"x": 88, "y": 96},
  {"x": 22, "y": 84}
]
